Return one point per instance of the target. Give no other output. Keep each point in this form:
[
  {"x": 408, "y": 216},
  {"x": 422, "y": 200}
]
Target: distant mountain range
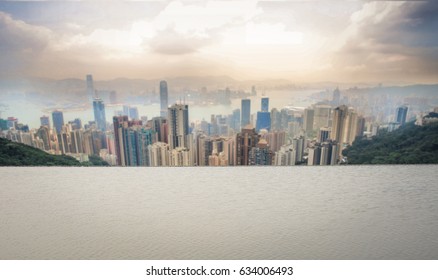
[{"x": 71, "y": 88}]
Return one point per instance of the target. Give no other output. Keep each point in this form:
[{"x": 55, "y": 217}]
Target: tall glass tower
[
  {"x": 99, "y": 113},
  {"x": 163, "y": 98},
  {"x": 401, "y": 114},
  {"x": 58, "y": 120},
  {"x": 90, "y": 88},
  {"x": 265, "y": 104},
  {"x": 246, "y": 112}
]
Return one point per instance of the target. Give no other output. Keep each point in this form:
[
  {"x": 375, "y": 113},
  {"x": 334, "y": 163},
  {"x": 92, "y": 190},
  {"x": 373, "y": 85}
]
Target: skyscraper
[
  {"x": 321, "y": 116},
  {"x": 336, "y": 97},
  {"x": 246, "y": 113},
  {"x": 263, "y": 121},
  {"x": 90, "y": 87},
  {"x": 275, "y": 119},
  {"x": 346, "y": 126},
  {"x": 119, "y": 122},
  {"x": 125, "y": 140},
  {"x": 158, "y": 154},
  {"x": 260, "y": 154},
  {"x": 133, "y": 113},
  {"x": 264, "y": 116},
  {"x": 401, "y": 114},
  {"x": 265, "y": 104},
  {"x": 324, "y": 134},
  {"x": 45, "y": 121},
  {"x": 308, "y": 121},
  {"x": 43, "y": 133},
  {"x": 285, "y": 156},
  {"x": 99, "y": 113},
  {"x": 339, "y": 123},
  {"x": 245, "y": 141},
  {"x": 298, "y": 145},
  {"x": 58, "y": 120},
  {"x": 163, "y": 98},
  {"x": 178, "y": 117},
  {"x": 235, "y": 124},
  {"x": 159, "y": 126}
]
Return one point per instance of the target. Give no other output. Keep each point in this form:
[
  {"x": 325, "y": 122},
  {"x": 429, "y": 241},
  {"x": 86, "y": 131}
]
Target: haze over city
[
  {"x": 302, "y": 41},
  {"x": 221, "y": 88}
]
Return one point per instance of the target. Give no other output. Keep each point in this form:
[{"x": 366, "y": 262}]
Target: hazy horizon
[{"x": 299, "y": 41}]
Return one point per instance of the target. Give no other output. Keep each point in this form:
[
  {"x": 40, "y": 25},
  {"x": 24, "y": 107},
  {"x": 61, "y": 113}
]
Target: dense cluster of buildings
[{"x": 288, "y": 136}]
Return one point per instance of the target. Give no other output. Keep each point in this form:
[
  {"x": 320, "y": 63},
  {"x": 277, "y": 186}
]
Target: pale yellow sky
[{"x": 302, "y": 41}]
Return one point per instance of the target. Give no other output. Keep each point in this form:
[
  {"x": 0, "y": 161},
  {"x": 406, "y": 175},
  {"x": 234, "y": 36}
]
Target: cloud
[
  {"x": 311, "y": 40},
  {"x": 20, "y": 36},
  {"x": 391, "y": 40},
  {"x": 180, "y": 28},
  {"x": 21, "y": 43},
  {"x": 170, "y": 42},
  {"x": 271, "y": 34}
]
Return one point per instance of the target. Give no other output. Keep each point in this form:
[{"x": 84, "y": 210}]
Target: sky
[{"x": 301, "y": 41}]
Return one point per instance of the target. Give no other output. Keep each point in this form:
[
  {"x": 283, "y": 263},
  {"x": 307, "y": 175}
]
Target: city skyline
[
  {"x": 288, "y": 135},
  {"x": 301, "y": 41}
]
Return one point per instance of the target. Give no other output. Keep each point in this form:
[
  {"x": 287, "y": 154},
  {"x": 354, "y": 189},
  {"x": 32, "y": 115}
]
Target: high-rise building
[
  {"x": 180, "y": 156},
  {"x": 235, "y": 121},
  {"x": 324, "y": 134},
  {"x": 328, "y": 154},
  {"x": 285, "y": 156},
  {"x": 12, "y": 122},
  {"x": 275, "y": 119},
  {"x": 164, "y": 101},
  {"x": 346, "y": 126},
  {"x": 308, "y": 121},
  {"x": 90, "y": 88},
  {"x": 45, "y": 121},
  {"x": 263, "y": 121},
  {"x": 245, "y": 141},
  {"x": 133, "y": 113},
  {"x": 159, "y": 154},
  {"x": 260, "y": 154},
  {"x": 58, "y": 120},
  {"x": 265, "y": 104},
  {"x": 336, "y": 97},
  {"x": 275, "y": 139},
  {"x": 285, "y": 117},
  {"x": 125, "y": 140},
  {"x": 178, "y": 117},
  {"x": 136, "y": 142},
  {"x": 339, "y": 123},
  {"x": 99, "y": 114},
  {"x": 76, "y": 137},
  {"x": 43, "y": 133},
  {"x": 401, "y": 114},
  {"x": 246, "y": 113},
  {"x": 298, "y": 145},
  {"x": 322, "y": 116},
  {"x": 76, "y": 123},
  {"x": 119, "y": 123},
  {"x": 314, "y": 156},
  {"x": 159, "y": 126}
]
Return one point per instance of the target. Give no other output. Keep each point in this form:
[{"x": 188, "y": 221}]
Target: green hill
[
  {"x": 410, "y": 144},
  {"x": 16, "y": 154}
]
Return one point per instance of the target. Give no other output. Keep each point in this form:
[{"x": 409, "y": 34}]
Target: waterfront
[{"x": 336, "y": 212}]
